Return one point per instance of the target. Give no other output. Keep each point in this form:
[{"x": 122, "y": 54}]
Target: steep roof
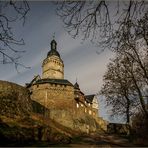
[
  {"x": 53, "y": 52},
  {"x": 54, "y": 81},
  {"x": 89, "y": 98},
  {"x": 76, "y": 86}
]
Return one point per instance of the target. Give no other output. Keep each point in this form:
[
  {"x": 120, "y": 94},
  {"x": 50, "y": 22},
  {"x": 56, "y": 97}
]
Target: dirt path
[{"x": 102, "y": 141}]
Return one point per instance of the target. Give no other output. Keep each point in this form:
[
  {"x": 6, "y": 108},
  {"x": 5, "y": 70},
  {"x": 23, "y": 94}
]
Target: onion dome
[{"x": 53, "y": 50}]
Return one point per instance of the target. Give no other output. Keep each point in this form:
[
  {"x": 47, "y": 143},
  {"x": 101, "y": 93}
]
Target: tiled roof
[
  {"x": 89, "y": 98},
  {"x": 53, "y": 81}
]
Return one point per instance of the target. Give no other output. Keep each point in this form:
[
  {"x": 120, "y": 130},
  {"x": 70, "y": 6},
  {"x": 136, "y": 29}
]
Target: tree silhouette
[
  {"x": 101, "y": 21},
  {"x": 8, "y": 40}
]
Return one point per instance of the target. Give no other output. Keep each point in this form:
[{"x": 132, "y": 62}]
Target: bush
[{"x": 140, "y": 129}]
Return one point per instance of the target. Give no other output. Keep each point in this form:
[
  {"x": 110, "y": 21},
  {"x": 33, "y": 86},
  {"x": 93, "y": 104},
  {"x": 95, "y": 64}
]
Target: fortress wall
[
  {"x": 59, "y": 99},
  {"x": 42, "y": 93}
]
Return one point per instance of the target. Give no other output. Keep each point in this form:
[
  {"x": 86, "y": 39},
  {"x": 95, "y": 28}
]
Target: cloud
[
  {"x": 89, "y": 70},
  {"x": 66, "y": 44}
]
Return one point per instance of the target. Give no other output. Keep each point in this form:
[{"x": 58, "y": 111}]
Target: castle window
[
  {"x": 77, "y": 105},
  {"x": 90, "y": 112},
  {"x": 81, "y": 104},
  {"x": 85, "y": 110}
]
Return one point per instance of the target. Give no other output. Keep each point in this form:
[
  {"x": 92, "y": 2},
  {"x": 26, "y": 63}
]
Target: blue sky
[{"x": 80, "y": 59}]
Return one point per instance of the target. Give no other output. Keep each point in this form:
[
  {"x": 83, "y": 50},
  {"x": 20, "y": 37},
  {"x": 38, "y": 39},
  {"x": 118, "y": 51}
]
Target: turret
[{"x": 53, "y": 66}]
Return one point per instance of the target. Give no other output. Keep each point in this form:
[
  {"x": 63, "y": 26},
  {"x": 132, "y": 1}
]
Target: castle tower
[{"x": 53, "y": 66}]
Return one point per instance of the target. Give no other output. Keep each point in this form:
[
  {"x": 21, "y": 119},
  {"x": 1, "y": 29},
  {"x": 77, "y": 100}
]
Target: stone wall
[
  {"x": 64, "y": 109},
  {"x": 117, "y": 128},
  {"x": 86, "y": 113},
  {"x": 42, "y": 93},
  {"x": 79, "y": 122},
  {"x": 14, "y": 99},
  {"x": 102, "y": 123},
  {"x": 65, "y": 112}
]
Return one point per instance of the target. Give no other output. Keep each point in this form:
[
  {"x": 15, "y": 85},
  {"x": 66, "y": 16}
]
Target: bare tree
[
  {"x": 139, "y": 85},
  {"x": 118, "y": 89},
  {"x": 132, "y": 43},
  {"x": 102, "y": 20},
  {"x": 8, "y": 41},
  {"x": 86, "y": 17},
  {"x": 117, "y": 26},
  {"x": 125, "y": 86}
]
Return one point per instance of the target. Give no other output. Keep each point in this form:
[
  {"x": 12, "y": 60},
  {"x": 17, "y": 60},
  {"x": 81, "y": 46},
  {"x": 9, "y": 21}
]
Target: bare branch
[{"x": 8, "y": 41}]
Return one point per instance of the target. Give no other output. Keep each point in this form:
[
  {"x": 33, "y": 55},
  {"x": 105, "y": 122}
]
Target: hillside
[{"x": 21, "y": 122}]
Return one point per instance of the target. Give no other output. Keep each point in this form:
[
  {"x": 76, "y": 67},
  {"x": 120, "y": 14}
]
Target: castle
[{"x": 61, "y": 97}]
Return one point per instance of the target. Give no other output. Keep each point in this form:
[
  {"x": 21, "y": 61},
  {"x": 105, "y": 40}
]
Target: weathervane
[
  {"x": 76, "y": 79},
  {"x": 53, "y": 35}
]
